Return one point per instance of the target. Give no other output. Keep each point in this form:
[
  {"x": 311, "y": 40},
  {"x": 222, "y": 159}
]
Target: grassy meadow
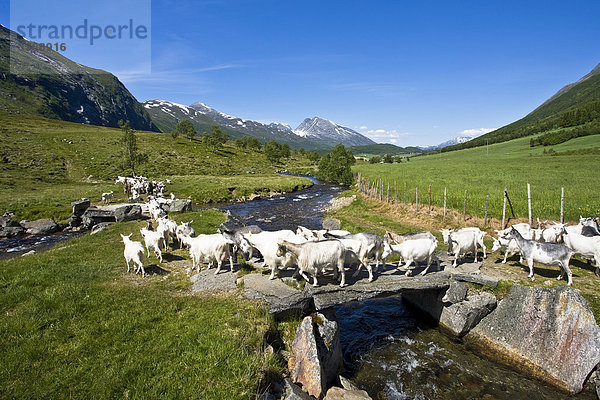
[
  {"x": 75, "y": 324},
  {"x": 46, "y": 164},
  {"x": 483, "y": 171}
]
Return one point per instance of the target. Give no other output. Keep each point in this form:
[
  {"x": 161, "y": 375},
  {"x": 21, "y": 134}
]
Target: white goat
[
  {"x": 546, "y": 253},
  {"x": 479, "y": 234},
  {"x": 154, "y": 240},
  {"x": 106, "y": 197},
  {"x": 185, "y": 229},
  {"x": 266, "y": 243},
  {"x": 419, "y": 249},
  {"x": 461, "y": 242},
  {"x": 134, "y": 252},
  {"x": 314, "y": 257},
  {"x": 587, "y": 247},
  {"x": 510, "y": 247},
  {"x": 167, "y": 227},
  {"x": 209, "y": 248}
]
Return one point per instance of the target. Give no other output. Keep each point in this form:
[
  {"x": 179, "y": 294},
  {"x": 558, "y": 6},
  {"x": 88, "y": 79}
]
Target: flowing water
[{"x": 393, "y": 354}]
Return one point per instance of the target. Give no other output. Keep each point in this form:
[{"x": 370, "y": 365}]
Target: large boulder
[
  {"x": 180, "y": 205},
  {"x": 457, "y": 292},
  {"x": 336, "y": 393},
  {"x": 233, "y": 222},
  {"x": 79, "y": 206},
  {"x": 461, "y": 317},
  {"x": 331, "y": 224},
  {"x": 550, "y": 334},
  {"x": 128, "y": 212},
  {"x": 40, "y": 227},
  {"x": 94, "y": 216},
  {"x": 318, "y": 354}
]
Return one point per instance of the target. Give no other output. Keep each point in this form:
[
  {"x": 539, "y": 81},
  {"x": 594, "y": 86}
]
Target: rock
[
  {"x": 339, "y": 202},
  {"x": 318, "y": 353},
  {"x": 456, "y": 292},
  {"x": 331, "y": 224},
  {"x": 30, "y": 252},
  {"x": 41, "y": 226},
  {"x": 180, "y": 205},
  {"x": 94, "y": 216},
  {"x": 550, "y": 334},
  {"x": 347, "y": 384},
  {"x": 206, "y": 280},
  {"x": 478, "y": 278},
  {"x": 100, "y": 227},
  {"x": 79, "y": 206},
  {"x": 461, "y": 317},
  {"x": 294, "y": 392},
  {"x": 308, "y": 370},
  {"x": 336, "y": 393},
  {"x": 10, "y": 231},
  {"x": 128, "y": 212},
  {"x": 254, "y": 196},
  {"x": 281, "y": 298}
]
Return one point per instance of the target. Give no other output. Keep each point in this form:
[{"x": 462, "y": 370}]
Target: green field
[
  {"x": 46, "y": 164},
  {"x": 483, "y": 171},
  {"x": 75, "y": 324}
]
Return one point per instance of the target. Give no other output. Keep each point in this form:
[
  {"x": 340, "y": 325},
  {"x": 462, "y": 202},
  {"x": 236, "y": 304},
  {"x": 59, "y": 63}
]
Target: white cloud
[
  {"x": 477, "y": 132},
  {"x": 363, "y": 128},
  {"x": 385, "y": 136}
]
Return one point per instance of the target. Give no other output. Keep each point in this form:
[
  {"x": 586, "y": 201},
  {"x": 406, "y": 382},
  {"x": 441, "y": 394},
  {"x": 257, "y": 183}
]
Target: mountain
[
  {"x": 572, "y": 111},
  {"x": 39, "y": 81},
  {"x": 166, "y": 115},
  {"x": 330, "y": 133},
  {"x": 312, "y": 134},
  {"x": 381, "y": 149},
  {"x": 451, "y": 142}
]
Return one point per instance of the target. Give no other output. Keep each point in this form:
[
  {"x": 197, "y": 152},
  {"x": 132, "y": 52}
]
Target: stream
[{"x": 389, "y": 349}]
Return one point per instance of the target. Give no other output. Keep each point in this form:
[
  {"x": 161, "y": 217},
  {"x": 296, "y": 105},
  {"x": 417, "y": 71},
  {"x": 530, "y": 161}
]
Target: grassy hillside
[
  {"x": 573, "y": 165},
  {"x": 575, "y": 105},
  {"x": 39, "y": 81},
  {"x": 46, "y": 164}
]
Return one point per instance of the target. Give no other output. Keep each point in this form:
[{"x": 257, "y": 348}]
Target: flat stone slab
[
  {"x": 206, "y": 280},
  {"x": 279, "y": 296}
]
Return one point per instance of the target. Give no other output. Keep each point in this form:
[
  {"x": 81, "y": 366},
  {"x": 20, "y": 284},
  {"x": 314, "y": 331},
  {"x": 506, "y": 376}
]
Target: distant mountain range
[
  {"x": 43, "y": 82},
  {"x": 451, "y": 142},
  {"x": 312, "y": 133}
]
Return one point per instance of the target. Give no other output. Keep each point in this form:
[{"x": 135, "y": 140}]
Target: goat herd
[{"x": 314, "y": 251}]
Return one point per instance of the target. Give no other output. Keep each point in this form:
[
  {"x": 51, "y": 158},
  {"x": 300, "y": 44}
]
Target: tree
[
  {"x": 216, "y": 139},
  {"x": 272, "y": 151},
  {"x": 336, "y": 166},
  {"x": 186, "y": 128},
  {"x": 131, "y": 154},
  {"x": 313, "y": 157},
  {"x": 375, "y": 160},
  {"x": 174, "y": 133},
  {"x": 388, "y": 159},
  {"x": 248, "y": 142}
]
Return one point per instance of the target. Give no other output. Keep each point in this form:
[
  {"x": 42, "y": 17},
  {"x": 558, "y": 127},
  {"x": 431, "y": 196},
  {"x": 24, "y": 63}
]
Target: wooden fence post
[
  {"x": 387, "y": 197},
  {"x": 504, "y": 210},
  {"x": 417, "y": 197},
  {"x": 404, "y": 192},
  {"x": 562, "y": 205},
  {"x": 395, "y": 194},
  {"x": 486, "y": 207},
  {"x": 529, "y": 202},
  {"x": 444, "y": 202},
  {"x": 429, "y": 198},
  {"x": 465, "y": 208}
]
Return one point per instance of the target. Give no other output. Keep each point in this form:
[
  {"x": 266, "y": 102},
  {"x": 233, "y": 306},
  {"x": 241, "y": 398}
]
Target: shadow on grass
[{"x": 154, "y": 269}]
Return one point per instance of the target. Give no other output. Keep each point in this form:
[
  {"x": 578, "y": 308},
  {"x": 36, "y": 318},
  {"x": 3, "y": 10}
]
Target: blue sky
[{"x": 411, "y": 73}]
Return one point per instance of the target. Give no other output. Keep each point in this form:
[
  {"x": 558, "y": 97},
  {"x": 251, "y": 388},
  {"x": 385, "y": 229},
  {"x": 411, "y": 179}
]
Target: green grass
[
  {"x": 512, "y": 165},
  {"x": 41, "y": 173},
  {"x": 76, "y": 325}
]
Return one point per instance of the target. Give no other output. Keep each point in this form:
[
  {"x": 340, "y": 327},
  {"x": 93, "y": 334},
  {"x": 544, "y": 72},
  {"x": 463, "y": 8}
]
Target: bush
[{"x": 336, "y": 166}]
